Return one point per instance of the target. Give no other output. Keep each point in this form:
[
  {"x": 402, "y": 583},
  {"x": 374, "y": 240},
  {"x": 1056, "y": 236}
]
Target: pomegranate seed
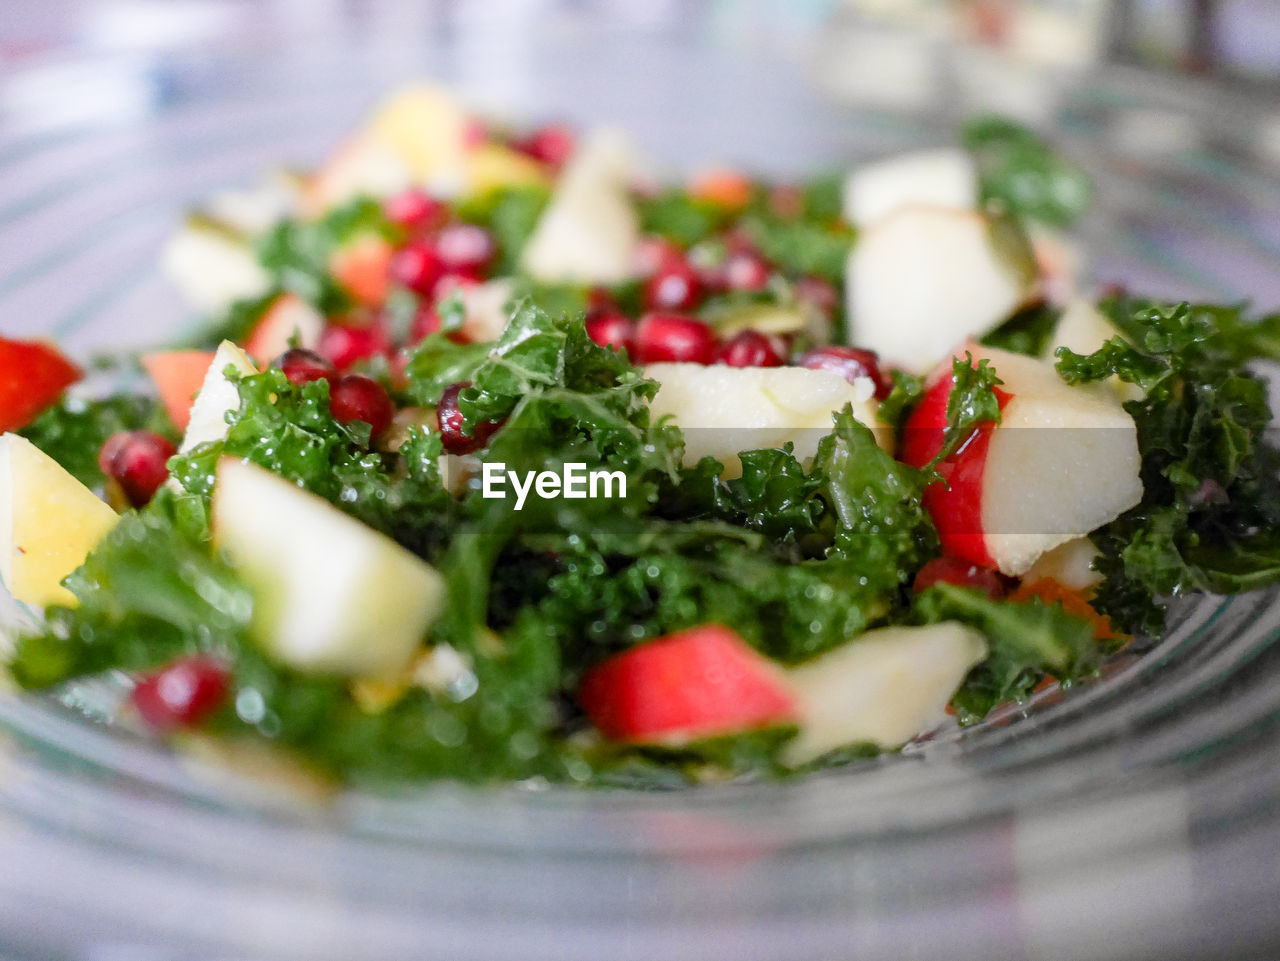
[
  {"x": 451, "y": 282},
  {"x": 137, "y": 461},
  {"x": 745, "y": 270},
  {"x": 750, "y": 348},
  {"x": 474, "y": 133},
  {"x": 608, "y": 328},
  {"x": 653, "y": 253},
  {"x": 427, "y": 321},
  {"x": 357, "y": 397},
  {"x": 452, "y": 436},
  {"x": 673, "y": 337},
  {"x": 182, "y": 694},
  {"x": 953, "y": 570},
  {"x": 673, "y": 286},
  {"x": 818, "y": 292},
  {"x": 850, "y": 363},
  {"x": 552, "y": 144},
  {"x": 302, "y": 366},
  {"x": 345, "y": 344},
  {"x": 414, "y": 210},
  {"x": 465, "y": 248},
  {"x": 417, "y": 266}
]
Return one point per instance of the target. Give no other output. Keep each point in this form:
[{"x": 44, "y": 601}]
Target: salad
[{"x": 499, "y": 459}]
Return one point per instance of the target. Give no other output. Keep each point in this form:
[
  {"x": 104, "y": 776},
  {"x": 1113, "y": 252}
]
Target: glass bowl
[{"x": 1134, "y": 816}]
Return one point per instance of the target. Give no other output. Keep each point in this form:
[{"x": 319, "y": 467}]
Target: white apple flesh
[
  {"x": 331, "y": 595},
  {"x": 937, "y": 178},
  {"x": 924, "y": 278},
  {"x": 213, "y": 265},
  {"x": 589, "y": 230},
  {"x": 218, "y": 396},
  {"x": 1063, "y": 462},
  {"x": 883, "y": 688},
  {"x": 725, "y": 410}
]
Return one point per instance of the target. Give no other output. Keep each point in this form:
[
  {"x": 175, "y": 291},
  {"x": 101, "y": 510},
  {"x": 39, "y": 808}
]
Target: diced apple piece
[
  {"x": 589, "y": 230},
  {"x": 49, "y": 521},
  {"x": 254, "y": 210},
  {"x": 936, "y": 178},
  {"x": 428, "y": 129},
  {"x": 694, "y": 684},
  {"x": 213, "y": 265},
  {"x": 178, "y": 376},
  {"x": 486, "y": 309},
  {"x": 725, "y": 410},
  {"x": 288, "y": 319},
  {"x": 33, "y": 374},
  {"x": 883, "y": 688},
  {"x": 923, "y": 279},
  {"x": 218, "y": 396},
  {"x": 1070, "y": 564},
  {"x": 1063, "y": 461},
  {"x": 363, "y": 165},
  {"x": 331, "y": 594},
  {"x": 491, "y": 165}
]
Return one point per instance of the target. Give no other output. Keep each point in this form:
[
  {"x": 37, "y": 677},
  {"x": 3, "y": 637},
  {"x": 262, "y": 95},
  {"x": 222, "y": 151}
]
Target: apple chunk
[
  {"x": 330, "y": 593},
  {"x": 725, "y": 410},
  {"x": 883, "y": 688},
  {"x": 288, "y": 320},
  {"x": 939, "y": 178},
  {"x": 589, "y": 230},
  {"x": 1063, "y": 461},
  {"x": 698, "y": 683},
  {"x": 925, "y": 278},
  {"x": 49, "y": 521},
  {"x": 218, "y": 397}
]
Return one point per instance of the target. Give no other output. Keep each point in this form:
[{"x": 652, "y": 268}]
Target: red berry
[
  {"x": 818, "y": 292},
  {"x": 745, "y": 270},
  {"x": 357, "y": 397},
  {"x": 962, "y": 573},
  {"x": 850, "y": 363},
  {"x": 137, "y": 461},
  {"x": 652, "y": 253},
  {"x": 182, "y": 694},
  {"x": 750, "y": 348},
  {"x": 674, "y": 286},
  {"x": 452, "y": 435},
  {"x": 608, "y": 328},
  {"x": 673, "y": 337},
  {"x": 466, "y": 248},
  {"x": 417, "y": 266},
  {"x": 552, "y": 144},
  {"x": 344, "y": 344},
  {"x": 302, "y": 366},
  {"x": 414, "y": 210}
]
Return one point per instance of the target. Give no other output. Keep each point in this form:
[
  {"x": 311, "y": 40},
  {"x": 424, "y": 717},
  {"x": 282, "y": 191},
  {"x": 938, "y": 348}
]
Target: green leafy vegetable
[
  {"x": 1021, "y": 171},
  {"x": 1210, "y": 499},
  {"x": 1027, "y": 639},
  {"x": 1026, "y": 332},
  {"x": 973, "y": 401}
]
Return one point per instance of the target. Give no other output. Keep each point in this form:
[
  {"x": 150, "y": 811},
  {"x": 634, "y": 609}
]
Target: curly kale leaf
[
  {"x": 1027, "y": 639},
  {"x": 973, "y": 402},
  {"x": 297, "y": 253},
  {"x": 1211, "y": 497},
  {"x": 1019, "y": 170},
  {"x": 288, "y": 429}
]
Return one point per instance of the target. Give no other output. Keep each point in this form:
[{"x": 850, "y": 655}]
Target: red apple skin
[
  {"x": 956, "y": 505},
  {"x": 697, "y": 683},
  {"x": 33, "y": 375}
]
